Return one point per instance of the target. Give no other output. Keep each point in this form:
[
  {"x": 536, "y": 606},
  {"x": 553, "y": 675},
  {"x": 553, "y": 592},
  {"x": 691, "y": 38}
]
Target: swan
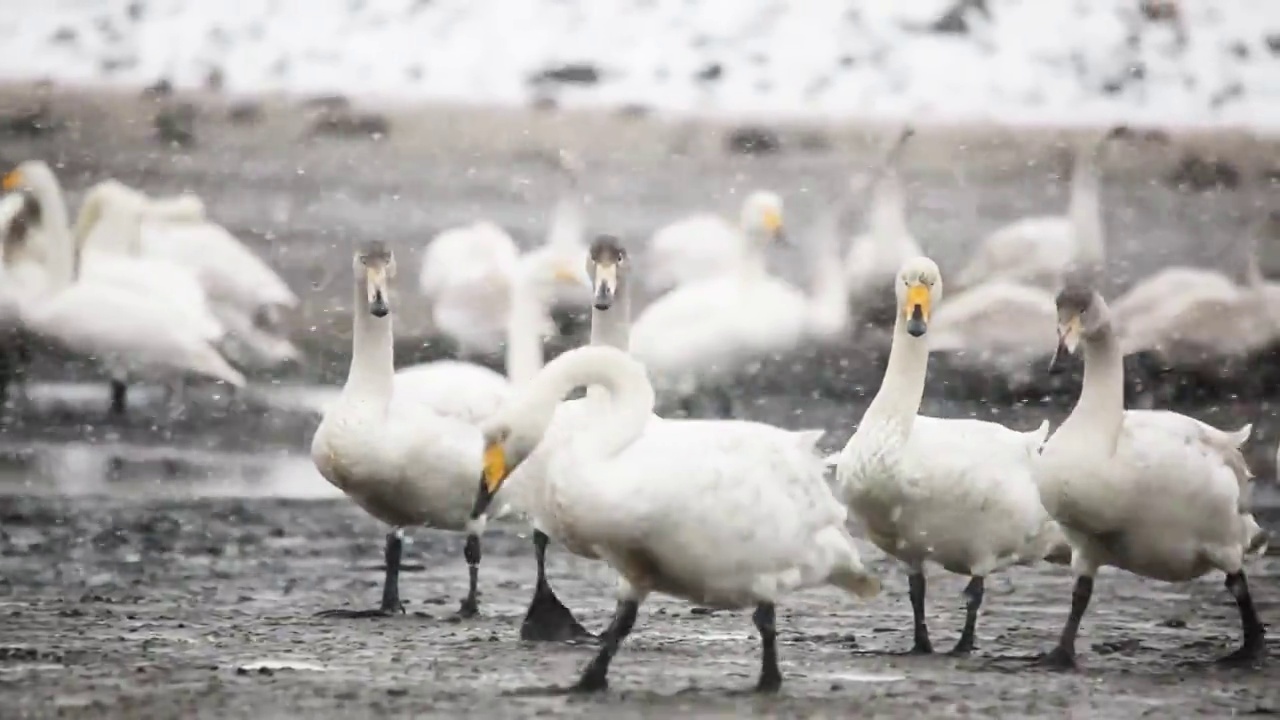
[
  {"x": 1039, "y": 250},
  {"x": 999, "y": 326},
  {"x": 467, "y": 272},
  {"x": 957, "y": 492},
  {"x": 400, "y": 461},
  {"x": 1156, "y": 493},
  {"x": 694, "y": 247},
  {"x": 725, "y": 514},
  {"x": 472, "y": 392},
  {"x": 702, "y": 334},
  {"x": 17, "y": 214},
  {"x": 130, "y": 335},
  {"x": 875, "y": 256}
]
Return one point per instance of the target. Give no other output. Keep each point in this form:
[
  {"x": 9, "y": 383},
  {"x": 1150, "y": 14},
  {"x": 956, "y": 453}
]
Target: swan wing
[
  {"x": 228, "y": 270},
  {"x": 459, "y": 390}
]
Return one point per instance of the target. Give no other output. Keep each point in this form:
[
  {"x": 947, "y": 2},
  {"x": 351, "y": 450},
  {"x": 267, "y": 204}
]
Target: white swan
[
  {"x": 1038, "y": 251},
  {"x": 957, "y": 492},
  {"x": 468, "y": 273},
  {"x": 702, "y": 334},
  {"x": 1156, "y": 493},
  {"x": 1000, "y": 326},
  {"x": 403, "y": 463},
  {"x": 728, "y": 514},
  {"x": 471, "y": 392},
  {"x": 875, "y": 256},
  {"x": 128, "y": 334},
  {"x": 692, "y": 248}
]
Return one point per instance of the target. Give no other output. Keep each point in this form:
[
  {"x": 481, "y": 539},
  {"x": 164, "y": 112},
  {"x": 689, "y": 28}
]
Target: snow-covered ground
[{"x": 1028, "y": 61}]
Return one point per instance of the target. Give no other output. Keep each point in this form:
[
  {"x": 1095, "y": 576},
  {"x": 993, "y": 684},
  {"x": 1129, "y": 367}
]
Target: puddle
[
  {"x": 277, "y": 664},
  {"x": 859, "y": 677}
]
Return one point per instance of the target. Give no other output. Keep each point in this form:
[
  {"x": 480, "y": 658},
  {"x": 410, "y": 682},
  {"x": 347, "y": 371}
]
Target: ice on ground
[{"x": 1027, "y": 61}]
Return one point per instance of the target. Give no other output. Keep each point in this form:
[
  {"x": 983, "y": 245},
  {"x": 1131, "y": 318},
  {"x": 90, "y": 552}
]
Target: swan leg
[
  {"x": 119, "y": 393},
  {"x": 1063, "y": 657},
  {"x": 770, "y": 676},
  {"x": 548, "y": 620},
  {"x": 596, "y": 676},
  {"x": 390, "y": 585},
  {"x": 1254, "y": 647},
  {"x": 973, "y": 602},
  {"x": 916, "y": 588},
  {"x": 471, "y": 603}
]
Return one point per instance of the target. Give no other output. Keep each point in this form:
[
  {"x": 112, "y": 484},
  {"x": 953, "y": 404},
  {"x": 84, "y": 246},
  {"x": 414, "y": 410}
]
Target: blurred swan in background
[
  {"x": 1000, "y": 326},
  {"x": 726, "y": 514},
  {"x": 699, "y": 336},
  {"x": 876, "y": 255},
  {"x": 130, "y": 335},
  {"x": 468, "y": 273},
  {"x": 1039, "y": 251},
  {"x": 696, "y": 247}
]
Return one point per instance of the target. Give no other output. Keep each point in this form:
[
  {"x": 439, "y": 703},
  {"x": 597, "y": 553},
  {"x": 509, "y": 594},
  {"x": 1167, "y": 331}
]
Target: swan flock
[{"x": 723, "y": 513}]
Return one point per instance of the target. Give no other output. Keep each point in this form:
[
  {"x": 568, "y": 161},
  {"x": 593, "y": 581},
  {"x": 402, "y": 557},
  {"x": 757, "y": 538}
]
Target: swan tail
[
  {"x": 1239, "y": 437},
  {"x": 179, "y": 208},
  {"x": 808, "y": 439},
  {"x": 1256, "y": 539},
  {"x": 848, "y": 573},
  {"x": 1041, "y": 433},
  {"x": 209, "y": 362}
]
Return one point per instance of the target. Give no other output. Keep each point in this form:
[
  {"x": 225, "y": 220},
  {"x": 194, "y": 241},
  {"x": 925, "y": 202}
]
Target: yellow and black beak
[
  {"x": 1068, "y": 341},
  {"x": 12, "y": 181},
  {"x": 494, "y": 473},
  {"x": 773, "y": 225},
  {"x": 606, "y": 285},
  {"x": 376, "y": 285},
  {"x": 917, "y": 309}
]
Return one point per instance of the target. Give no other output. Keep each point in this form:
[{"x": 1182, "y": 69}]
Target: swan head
[
  {"x": 509, "y": 439},
  {"x": 1082, "y": 313},
  {"x": 762, "y": 216},
  {"x": 606, "y": 262},
  {"x": 919, "y": 288},
  {"x": 33, "y": 175},
  {"x": 374, "y": 266}
]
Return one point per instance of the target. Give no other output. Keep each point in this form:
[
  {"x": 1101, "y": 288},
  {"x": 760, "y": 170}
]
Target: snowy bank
[{"x": 1012, "y": 61}]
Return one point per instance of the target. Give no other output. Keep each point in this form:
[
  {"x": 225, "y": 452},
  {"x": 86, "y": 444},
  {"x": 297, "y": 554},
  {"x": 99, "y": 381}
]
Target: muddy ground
[{"x": 120, "y": 609}]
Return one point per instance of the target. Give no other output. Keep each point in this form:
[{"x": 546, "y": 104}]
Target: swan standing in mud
[
  {"x": 397, "y": 459},
  {"x": 956, "y": 492},
  {"x": 725, "y": 514},
  {"x": 1156, "y": 493}
]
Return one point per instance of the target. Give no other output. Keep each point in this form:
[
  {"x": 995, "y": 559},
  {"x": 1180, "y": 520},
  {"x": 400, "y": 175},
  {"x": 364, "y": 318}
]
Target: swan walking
[
  {"x": 725, "y": 514},
  {"x": 398, "y": 460},
  {"x": 956, "y": 492},
  {"x": 1156, "y": 493}
]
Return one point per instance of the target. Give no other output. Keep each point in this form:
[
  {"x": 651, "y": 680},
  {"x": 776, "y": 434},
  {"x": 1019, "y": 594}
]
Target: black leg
[
  {"x": 548, "y": 620},
  {"x": 596, "y": 677},
  {"x": 390, "y": 585},
  {"x": 973, "y": 602},
  {"x": 1254, "y": 647},
  {"x": 471, "y": 603},
  {"x": 118, "y": 392},
  {"x": 1063, "y": 657},
  {"x": 916, "y": 587},
  {"x": 770, "y": 675}
]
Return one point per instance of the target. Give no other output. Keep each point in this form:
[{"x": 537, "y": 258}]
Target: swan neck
[
  {"x": 1085, "y": 211},
  {"x": 898, "y": 401},
  {"x": 888, "y": 214},
  {"x": 566, "y": 221},
  {"x": 524, "y": 333},
  {"x": 1100, "y": 410},
  {"x": 630, "y": 397},
  {"x": 63, "y": 251},
  {"x": 829, "y": 291},
  {"x": 373, "y": 352},
  {"x": 612, "y": 327}
]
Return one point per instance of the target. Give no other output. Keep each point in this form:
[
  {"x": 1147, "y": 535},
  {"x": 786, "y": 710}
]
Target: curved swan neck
[
  {"x": 524, "y": 331},
  {"x": 1085, "y": 209},
  {"x": 1100, "y": 410},
  {"x": 373, "y": 351},
  {"x": 898, "y": 400},
  {"x": 63, "y": 252},
  {"x": 631, "y": 396}
]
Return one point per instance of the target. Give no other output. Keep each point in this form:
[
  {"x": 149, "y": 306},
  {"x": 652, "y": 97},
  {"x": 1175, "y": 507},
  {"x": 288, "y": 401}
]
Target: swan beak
[
  {"x": 772, "y": 222},
  {"x": 494, "y": 472},
  {"x": 606, "y": 285},
  {"x": 12, "y": 181},
  {"x": 917, "y": 309},
  {"x": 377, "y": 286},
  {"x": 1068, "y": 340}
]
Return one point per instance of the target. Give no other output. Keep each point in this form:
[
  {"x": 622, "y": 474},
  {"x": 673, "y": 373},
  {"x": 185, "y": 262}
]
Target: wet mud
[{"x": 115, "y": 608}]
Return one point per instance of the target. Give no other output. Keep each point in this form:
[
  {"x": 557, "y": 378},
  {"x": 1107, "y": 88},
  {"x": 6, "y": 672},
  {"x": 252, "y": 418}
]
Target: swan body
[
  {"x": 875, "y": 256},
  {"x": 129, "y": 333},
  {"x": 399, "y": 460},
  {"x": 999, "y": 326},
  {"x": 1152, "y": 492},
  {"x": 698, "y": 246},
  {"x": 464, "y": 276},
  {"x": 726, "y": 514},
  {"x": 957, "y": 492}
]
